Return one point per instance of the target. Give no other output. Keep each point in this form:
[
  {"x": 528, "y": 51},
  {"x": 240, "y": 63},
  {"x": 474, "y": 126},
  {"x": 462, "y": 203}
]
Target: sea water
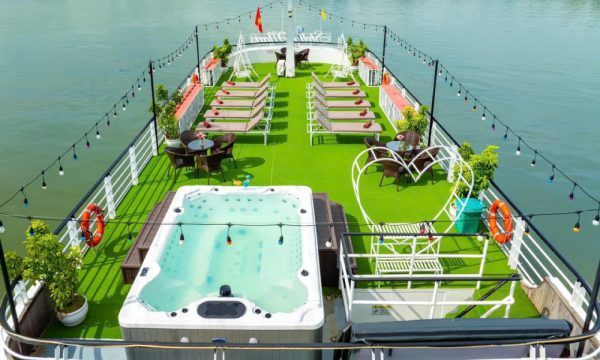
[{"x": 255, "y": 265}]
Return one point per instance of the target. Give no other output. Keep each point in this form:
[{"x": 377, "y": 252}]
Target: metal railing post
[
  {"x": 515, "y": 249},
  {"x": 151, "y": 70},
  {"x": 133, "y": 165},
  {"x": 9, "y": 292},
  {"x": 452, "y": 164},
  {"x": 153, "y": 139},
  {"x": 197, "y": 52},
  {"x": 383, "y": 53},
  {"x": 435, "y": 76},
  {"x": 590, "y": 310},
  {"x": 73, "y": 233},
  {"x": 110, "y": 197}
]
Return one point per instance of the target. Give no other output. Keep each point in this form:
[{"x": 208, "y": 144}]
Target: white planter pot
[
  {"x": 173, "y": 142},
  {"x": 74, "y": 318}
]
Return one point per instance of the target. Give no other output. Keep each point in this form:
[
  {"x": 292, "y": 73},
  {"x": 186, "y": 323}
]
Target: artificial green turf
[{"x": 288, "y": 159}]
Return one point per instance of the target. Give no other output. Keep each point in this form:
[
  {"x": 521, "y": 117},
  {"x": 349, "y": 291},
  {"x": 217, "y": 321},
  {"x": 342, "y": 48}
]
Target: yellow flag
[{"x": 323, "y": 14}]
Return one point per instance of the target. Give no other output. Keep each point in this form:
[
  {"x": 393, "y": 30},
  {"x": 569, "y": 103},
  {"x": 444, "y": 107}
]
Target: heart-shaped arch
[{"x": 447, "y": 157}]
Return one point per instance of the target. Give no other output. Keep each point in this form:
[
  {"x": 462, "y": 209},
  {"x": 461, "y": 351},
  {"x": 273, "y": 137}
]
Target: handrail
[{"x": 483, "y": 297}]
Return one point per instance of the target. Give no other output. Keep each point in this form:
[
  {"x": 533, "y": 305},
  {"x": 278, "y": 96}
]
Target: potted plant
[
  {"x": 483, "y": 166},
  {"x": 356, "y": 50},
  {"x": 413, "y": 120},
  {"x": 46, "y": 261},
  {"x": 166, "y": 107},
  {"x": 222, "y": 52}
]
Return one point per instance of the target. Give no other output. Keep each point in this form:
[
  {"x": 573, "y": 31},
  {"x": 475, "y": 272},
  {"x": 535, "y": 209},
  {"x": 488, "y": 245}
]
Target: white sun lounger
[
  {"x": 253, "y": 126},
  {"x": 342, "y": 104},
  {"x": 339, "y": 93},
  {"x": 335, "y": 85},
  {"x": 246, "y": 85},
  {"x": 344, "y": 115},
  {"x": 238, "y": 103},
  {"x": 223, "y": 93},
  {"x": 235, "y": 114},
  {"x": 321, "y": 125}
]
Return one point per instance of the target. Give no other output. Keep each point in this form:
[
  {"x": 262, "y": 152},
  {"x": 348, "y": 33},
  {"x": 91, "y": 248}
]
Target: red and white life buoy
[
  {"x": 85, "y": 225},
  {"x": 505, "y": 236}
]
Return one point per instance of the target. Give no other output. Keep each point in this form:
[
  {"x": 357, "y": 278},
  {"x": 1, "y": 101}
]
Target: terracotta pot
[{"x": 76, "y": 317}]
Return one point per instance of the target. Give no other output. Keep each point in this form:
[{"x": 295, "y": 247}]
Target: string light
[
  {"x": 181, "y": 237},
  {"x": 31, "y": 230},
  {"x": 551, "y": 177},
  {"x": 280, "y": 241},
  {"x": 44, "y": 185},
  {"x": 506, "y": 134},
  {"x": 25, "y": 201},
  {"x": 2, "y": 228},
  {"x": 124, "y": 107},
  {"x": 229, "y": 241},
  {"x": 494, "y": 124},
  {"x": 572, "y": 193},
  {"x": 61, "y": 170},
  {"x": 518, "y": 152},
  {"x": 139, "y": 86},
  {"x": 475, "y": 106},
  {"x": 380, "y": 240},
  {"x": 534, "y": 158},
  {"x": 74, "y": 153},
  {"x": 577, "y": 226},
  {"x": 115, "y": 111},
  {"x": 459, "y": 90},
  {"x": 87, "y": 142},
  {"x": 98, "y": 133},
  {"x": 595, "y": 222},
  {"x": 483, "y": 115}
]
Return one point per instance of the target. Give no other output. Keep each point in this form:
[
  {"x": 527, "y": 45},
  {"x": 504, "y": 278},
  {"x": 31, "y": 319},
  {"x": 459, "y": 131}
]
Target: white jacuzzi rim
[{"x": 308, "y": 316}]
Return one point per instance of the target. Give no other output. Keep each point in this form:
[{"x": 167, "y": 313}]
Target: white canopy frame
[
  {"x": 394, "y": 244},
  {"x": 242, "y": 67}
]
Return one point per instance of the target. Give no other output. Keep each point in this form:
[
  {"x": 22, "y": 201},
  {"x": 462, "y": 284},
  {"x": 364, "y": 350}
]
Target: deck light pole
[
  {"x": 435, "y": 76},
  {"x": 153, "y": 100},
  {"x": 383, "y": 53},
  {"x": 7, "y": 287},
  {"x": 590, "y": 310},
  {"x": 197, "y": 51}
]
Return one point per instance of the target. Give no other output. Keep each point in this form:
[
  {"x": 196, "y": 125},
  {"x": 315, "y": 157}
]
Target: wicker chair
[
  {"x": 179, "y": 159},
  {"x": 375, "y": 154},
  {"x": 279, "y": 56},
  {"x": 227, "y": 150},
  {"x": 301, "y": 56},
  {"x": 187, "y": 137},
  {"x": 210, "y": 163},
  {"x": 425, "y": 159},
  {"x": 394, "y": 170},
  {"x": 410, "y": 137}
]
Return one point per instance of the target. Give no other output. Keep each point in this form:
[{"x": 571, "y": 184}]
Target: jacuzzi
[{"x": 244, "y": 270}]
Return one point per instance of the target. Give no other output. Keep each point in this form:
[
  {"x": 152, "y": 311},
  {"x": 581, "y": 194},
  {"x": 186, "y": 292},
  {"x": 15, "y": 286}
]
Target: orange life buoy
[
  {"x": 386, "y": 78},
  {"x": 85, "y": 225},
  {"x": 504, "y": 237}
]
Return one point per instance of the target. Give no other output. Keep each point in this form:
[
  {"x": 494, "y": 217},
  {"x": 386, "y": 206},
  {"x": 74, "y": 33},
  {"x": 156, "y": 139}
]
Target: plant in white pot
[
  {"x": 47, "y": 262},
  {"x": 165, "y": 112}
]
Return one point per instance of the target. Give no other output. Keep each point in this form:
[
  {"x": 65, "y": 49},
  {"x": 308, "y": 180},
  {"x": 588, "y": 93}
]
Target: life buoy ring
[
  {"x": 85, "y": 225},
  {"x": 195, "y": 78},
  {"x": 501, "y": 238},
  {"x": 386, "y": 78}
]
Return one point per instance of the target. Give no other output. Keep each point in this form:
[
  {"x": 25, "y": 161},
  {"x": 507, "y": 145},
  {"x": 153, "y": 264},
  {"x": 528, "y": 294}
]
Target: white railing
[
  {"x": 108, "y": 194},
  {"x": 348, "y": 285},
  {"x": 371, "y": 77}
]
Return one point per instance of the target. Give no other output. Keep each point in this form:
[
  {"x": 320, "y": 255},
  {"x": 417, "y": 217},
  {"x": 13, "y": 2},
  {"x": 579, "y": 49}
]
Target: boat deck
[{"x": 288, "y": 159}]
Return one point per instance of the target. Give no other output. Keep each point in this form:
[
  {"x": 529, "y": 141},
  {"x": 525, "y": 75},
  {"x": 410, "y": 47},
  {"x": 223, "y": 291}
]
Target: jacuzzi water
[{"x": 255, "y": 265}]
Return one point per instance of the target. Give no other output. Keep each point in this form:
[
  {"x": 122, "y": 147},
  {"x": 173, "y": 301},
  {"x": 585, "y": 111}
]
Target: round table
[
  {"x": 405, "y": 150},
  {"x": 399, "y": 146},
  {"x": 200, "y": 145}
]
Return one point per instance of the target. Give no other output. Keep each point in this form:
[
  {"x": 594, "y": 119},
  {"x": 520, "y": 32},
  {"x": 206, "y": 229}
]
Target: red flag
[{"x": 258, "y": 20}]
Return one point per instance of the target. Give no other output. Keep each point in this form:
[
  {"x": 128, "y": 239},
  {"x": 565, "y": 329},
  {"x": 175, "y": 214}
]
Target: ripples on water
[{"x": 534, "y": 63}]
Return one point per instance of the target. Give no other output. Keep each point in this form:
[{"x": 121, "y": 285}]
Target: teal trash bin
[{"x": 468, "y": 221}]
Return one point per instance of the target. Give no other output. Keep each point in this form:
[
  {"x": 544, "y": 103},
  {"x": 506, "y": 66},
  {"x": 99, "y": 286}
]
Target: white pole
[{"x": 290, "y": 64}]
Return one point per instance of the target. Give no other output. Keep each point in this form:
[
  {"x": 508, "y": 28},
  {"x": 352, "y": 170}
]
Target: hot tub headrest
[
  {"x": 460, "y": 329},
  {"x": 221, "y": 309}
]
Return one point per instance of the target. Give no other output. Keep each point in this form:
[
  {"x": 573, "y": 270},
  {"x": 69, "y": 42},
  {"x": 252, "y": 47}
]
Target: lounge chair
[
  {"x": 342, "y": 104},
  {"x": 254, "y": 126},
  {"x": 356, "y": 94},
  {"x": 223, "y": 93},
  {"x": 238, "y": 103},
  {"x": 322, "y": 125},
  {"x": 246, "y": 85},
  {"x": 345, "y": 115},
  {"x": 335, "y": 85},
  {"x": 235, "y": 114}
]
